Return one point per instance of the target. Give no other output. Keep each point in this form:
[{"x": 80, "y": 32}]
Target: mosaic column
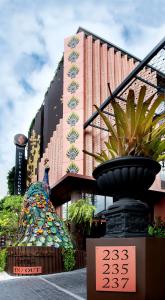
[{"x": 73, "y": 104}]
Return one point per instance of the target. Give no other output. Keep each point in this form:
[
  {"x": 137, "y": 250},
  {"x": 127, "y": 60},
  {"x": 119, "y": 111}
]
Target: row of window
[{"x": 101, "y": 203}]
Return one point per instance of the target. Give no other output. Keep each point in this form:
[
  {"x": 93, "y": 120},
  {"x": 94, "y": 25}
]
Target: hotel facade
[{"x": 90, "y": 69}]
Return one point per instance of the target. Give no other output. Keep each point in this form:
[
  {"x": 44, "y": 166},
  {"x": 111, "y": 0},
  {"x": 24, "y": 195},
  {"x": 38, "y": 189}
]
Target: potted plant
[
  {"x": 129, "y": 162},
  {"x": 81, "y": 215}
]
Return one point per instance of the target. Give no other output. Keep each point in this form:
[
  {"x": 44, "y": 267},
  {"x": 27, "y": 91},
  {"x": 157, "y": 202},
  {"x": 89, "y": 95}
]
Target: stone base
[
  {"x": 150, "y": 267},
  {"x": 127, "y": 217}
]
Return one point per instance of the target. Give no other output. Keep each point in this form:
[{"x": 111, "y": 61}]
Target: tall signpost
[{"x": 20, "y": 141}]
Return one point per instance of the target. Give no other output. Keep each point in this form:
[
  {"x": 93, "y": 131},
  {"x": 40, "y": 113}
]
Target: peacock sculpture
[{"x": 39, "y": 223}]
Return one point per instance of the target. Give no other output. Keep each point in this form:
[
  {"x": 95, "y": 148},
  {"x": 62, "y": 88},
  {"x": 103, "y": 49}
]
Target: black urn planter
[{"x": 127, "y": 178}]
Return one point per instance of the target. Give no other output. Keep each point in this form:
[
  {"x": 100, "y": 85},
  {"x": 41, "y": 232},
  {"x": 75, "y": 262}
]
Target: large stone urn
[{"x": 128, "y": 179}]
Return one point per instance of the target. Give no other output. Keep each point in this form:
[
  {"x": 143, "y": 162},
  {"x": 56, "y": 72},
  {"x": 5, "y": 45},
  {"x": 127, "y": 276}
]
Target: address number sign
[{"x": 116, "y": 268}]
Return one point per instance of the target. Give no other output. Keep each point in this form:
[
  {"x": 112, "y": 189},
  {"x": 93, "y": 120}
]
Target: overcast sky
[{"x": 32, "y": 33}]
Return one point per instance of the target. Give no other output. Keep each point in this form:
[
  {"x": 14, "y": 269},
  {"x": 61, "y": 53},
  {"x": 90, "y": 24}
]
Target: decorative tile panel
[
  {"x": 73, "y": 119},
  {"x": 72, "y": 153},
  {"x": 72, "y": 168},
  {"x": 73, "y": 56},
  {"x": 72, "y": 136},
  {"x": 73, "y": 86},
  {"x": 73, "y": 72},
  {"x": 73, "y": 102},
  {"x": 73, "y": 42}
]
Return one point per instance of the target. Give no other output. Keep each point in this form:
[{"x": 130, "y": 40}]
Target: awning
[{"x": 69, "y": 183}]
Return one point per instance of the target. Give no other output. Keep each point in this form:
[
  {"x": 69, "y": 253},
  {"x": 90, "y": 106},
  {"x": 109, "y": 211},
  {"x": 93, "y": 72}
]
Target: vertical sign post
[{"x": 20, "y": 141}]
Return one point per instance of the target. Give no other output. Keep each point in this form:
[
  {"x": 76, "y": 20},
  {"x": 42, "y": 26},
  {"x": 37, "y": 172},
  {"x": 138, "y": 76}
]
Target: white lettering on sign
[{"x": 27, "y": 270}]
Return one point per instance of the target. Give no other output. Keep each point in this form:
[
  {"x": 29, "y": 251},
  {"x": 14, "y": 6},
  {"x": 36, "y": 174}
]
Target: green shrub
[
  {"x": 69, "y": 259},
  {"x": 157, "y": 229},
  {"x": 9, "y": 216},
  {"x": 3, "y": 256}
]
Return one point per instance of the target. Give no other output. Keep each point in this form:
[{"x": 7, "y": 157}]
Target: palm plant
[{"x": 138, "y": 131}]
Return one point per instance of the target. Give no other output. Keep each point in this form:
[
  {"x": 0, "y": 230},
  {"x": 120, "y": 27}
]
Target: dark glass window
[
  {"x": 109, "y": 201},
  {"x": 99, "y": 202},
  {"x": 162, "y": 175},
  {"x": 65, "y": 207}
]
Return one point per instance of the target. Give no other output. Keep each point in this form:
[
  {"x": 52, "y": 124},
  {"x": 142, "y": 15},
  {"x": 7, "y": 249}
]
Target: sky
[{"x": 32, "y": 36}]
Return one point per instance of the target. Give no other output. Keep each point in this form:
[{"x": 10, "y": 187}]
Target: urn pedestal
[
  {"x": 127, "y": 217},
  {"x": 127, "y": 178}
]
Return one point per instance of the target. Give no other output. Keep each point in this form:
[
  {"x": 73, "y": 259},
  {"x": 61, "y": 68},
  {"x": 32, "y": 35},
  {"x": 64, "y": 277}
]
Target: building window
[
  {"x": 109, "y": 201},
  {"x": 101, "y": 202},
  {"x": 65, "y": 210},
  {"x": 162, "y": 175}
]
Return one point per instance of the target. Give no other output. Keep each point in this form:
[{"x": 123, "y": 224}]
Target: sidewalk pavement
[{"x": 60, "y": 286}]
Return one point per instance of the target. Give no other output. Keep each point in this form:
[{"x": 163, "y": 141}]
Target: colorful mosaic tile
[
  {"x": 73, "y": 119},
  {"x": 73, "y": 87},
  {"x": 39, "y": 223},
  {"x": 72, "y": 136},
  {"x": 72, "y": 153},
  {"x": 73, "y": 72},
  {"x": 73, "y": 102},
  {"x": 72, "y": 168},
  {"x": 73, "y": 42},
  {"x": 73, "y": 56}
]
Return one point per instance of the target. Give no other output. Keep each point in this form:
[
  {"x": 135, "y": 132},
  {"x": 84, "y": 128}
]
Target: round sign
[{"x": 20, "y": 140}]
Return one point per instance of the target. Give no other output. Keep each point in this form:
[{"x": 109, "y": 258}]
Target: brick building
[{"x": 81, "y": 80}]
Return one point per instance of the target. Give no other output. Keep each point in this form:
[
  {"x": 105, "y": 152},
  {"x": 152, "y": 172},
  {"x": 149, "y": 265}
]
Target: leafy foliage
[
  {"x": 157, "y": 229},
  {"x": 1, "y": 204},
  {"x": 3, "y": 256},
  {"x": 13, "y": 203},
  {"x": 10, "y": 181},
  {"x": 137, "y": 131},
  {"x": 9, "y": 215},
  {"x": 69, "y": 259},
  {"x": 81, "y": 212}
]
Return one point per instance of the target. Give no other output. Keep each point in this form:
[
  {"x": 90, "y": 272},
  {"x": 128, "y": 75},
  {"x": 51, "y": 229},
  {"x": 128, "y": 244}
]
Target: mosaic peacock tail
[{"x": 39, "y": 223}]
